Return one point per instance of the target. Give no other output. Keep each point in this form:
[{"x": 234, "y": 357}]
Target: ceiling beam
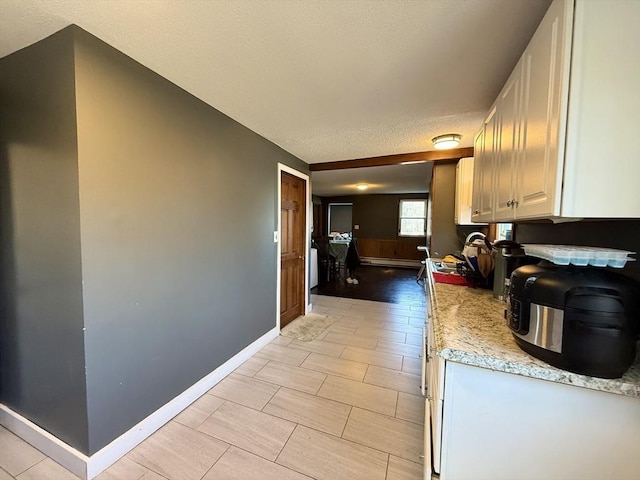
[{"x": 432, "y": 156}]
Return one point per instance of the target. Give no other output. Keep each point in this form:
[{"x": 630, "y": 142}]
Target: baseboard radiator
[{"x": 390, "y": 262}]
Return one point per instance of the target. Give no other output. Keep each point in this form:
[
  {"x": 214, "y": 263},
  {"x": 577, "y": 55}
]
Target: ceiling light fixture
[
  {"x": 413, "y": 163},
  {"x": 362, "y": 186},
  {"x": 449, "y": 140}
]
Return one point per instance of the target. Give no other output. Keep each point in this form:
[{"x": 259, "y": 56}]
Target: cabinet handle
[
  {"x": 514, "y": 203},
  {"x": 476, "y": 212},
  {"x": 509, "y": 203}
]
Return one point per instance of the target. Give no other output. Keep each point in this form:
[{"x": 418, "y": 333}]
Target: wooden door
[{"x": 292, "y": 243}]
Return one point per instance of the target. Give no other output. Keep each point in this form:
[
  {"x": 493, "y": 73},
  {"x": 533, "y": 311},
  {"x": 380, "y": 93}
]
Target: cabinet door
[
  {"x": 427, "y": 467},
  {"x": 435, "y": 396},
  {"x": 458, "y": 199},
  {"x": 507, "y": 142},
  {"x": 483, "y": 170},
  {"x": 464, "y": 189},
  {"x": 437, "y": 366},
  {"x": 478, "y": 151},
  {"x": 488, "y": 165},
  {"x": 467, "y": 189},
  {"x": 539, "y": 171}
]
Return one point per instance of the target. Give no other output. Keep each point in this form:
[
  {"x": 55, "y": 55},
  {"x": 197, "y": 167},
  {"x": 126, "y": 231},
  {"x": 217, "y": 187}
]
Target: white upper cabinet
[
  {"x": 538, "y": 172},
  {"x": 478, "y": 147},
  {"x": 464, "y": 191},
  {"x": 602, "y": 151},
  {"x": 566, "y": 122},
  {"x": 508, "y": 137},
  {"x": 484, "y": 149}
]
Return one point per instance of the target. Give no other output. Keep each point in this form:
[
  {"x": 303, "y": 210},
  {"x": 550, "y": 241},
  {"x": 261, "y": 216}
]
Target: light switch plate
[
  {"x": 275, "y": 237},
  {"x": 356, "y": 227}
]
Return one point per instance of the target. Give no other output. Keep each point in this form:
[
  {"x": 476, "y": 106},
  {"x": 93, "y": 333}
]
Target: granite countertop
[{"x": 470, "y": 328}]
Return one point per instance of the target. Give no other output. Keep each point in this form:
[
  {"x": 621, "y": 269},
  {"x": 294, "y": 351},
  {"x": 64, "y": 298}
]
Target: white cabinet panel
[
  {"x": 603, "y": 140},
  {"x": 435, "y": 386},
  {"x": 464, "y": 191},
  {"x": 478, "y": 167},
  {"x": 486, "y": 182},
  {"x": 507, "y": 142},
  {"x": 437, "y": 406},
  {"x": 546, "y": 65},
  {"x": 502, "y": 426},
  {"x": 427, "y": 467},
  {"x": 483, "y": 209}
]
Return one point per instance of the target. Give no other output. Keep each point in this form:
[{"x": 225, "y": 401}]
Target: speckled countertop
[{"x": 470, "y": 328}]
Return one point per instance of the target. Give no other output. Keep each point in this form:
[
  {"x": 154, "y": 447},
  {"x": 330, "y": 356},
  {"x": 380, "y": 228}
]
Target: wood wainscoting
[{"x": 401, "y": 248}]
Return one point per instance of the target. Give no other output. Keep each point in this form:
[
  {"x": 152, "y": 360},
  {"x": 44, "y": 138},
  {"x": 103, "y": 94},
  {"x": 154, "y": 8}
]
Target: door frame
[{"x": 307, "y": 235}]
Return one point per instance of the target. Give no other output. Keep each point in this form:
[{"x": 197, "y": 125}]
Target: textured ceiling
[
  {"x": 388, "y": 179},
  {"x": 324, "y": 79}
]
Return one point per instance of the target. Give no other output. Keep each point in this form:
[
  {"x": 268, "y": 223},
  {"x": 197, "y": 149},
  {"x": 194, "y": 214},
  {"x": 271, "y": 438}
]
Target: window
[
  {"x": 504, "y": 231},
  {"x": 340, "y": 216},
  {"x": 413, "y": 215}
]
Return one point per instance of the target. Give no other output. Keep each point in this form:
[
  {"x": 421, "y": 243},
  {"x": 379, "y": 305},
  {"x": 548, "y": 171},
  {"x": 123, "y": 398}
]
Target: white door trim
[{"x": 307, "y": 240}]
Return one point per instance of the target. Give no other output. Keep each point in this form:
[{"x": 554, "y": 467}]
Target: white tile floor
[{"x": 344, "y": 406}]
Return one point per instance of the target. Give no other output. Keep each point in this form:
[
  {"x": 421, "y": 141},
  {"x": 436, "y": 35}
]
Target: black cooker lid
[{"x": 587, "y": 288}]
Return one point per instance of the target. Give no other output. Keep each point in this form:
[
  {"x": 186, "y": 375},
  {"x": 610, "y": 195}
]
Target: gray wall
[
  {"x": 41, "y": 339},
  {"x": 444, "y": 234},
  {"x": 377, "y": 215},
  {"x": 177, "y": 226},
  {"x": 177, "y": 213}
]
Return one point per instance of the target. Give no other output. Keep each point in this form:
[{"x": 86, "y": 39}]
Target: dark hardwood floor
[{"x": 381, "y": 284}]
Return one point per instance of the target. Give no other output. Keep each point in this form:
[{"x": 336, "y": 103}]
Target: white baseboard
[
  {"x": 67, "y": 456},
  {"x": 89, "y": 467},
  {"x": 390, "y": 262}
]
